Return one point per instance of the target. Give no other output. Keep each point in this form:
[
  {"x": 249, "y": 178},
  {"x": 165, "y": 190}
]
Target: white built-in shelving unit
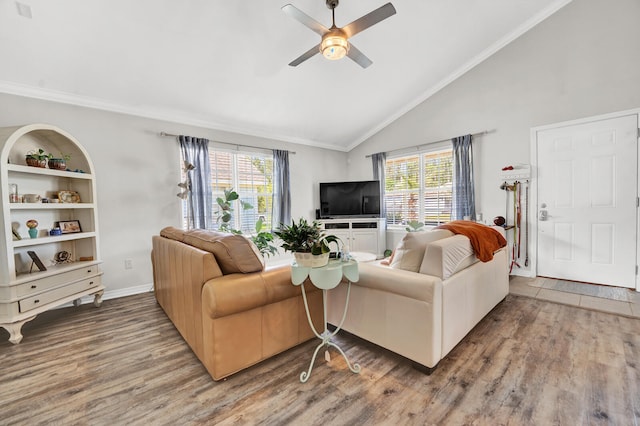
[{"x": 25, "y": 291}]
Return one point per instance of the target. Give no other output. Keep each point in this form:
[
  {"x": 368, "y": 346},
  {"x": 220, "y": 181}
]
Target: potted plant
[
  {"x": 58, "y": 163},
  {"x": 414, "y": 226},
  {"x": 225, "y": 210},
  {"x": 37, "y": 158},
  {"x": 307, "y": 242},
  {"x": 262, "y": 238}
]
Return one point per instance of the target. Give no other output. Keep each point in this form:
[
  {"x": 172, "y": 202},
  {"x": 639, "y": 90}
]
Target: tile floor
[{"x": 542, "y": 288}]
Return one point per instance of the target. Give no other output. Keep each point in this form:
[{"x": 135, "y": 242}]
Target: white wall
[
  {"x": 582, "y": 61},
  {"x": 137, "y": 172}
]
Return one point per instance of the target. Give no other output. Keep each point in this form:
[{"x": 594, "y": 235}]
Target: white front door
[{"x": 587, "y": 198}]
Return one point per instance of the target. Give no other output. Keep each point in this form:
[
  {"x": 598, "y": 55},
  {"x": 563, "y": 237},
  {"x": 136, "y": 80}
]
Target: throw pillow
[{"x": 410, "y": 251}]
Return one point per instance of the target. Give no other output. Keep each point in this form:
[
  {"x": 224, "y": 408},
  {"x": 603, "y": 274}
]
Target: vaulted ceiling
[{"x": 223, "y": 64}]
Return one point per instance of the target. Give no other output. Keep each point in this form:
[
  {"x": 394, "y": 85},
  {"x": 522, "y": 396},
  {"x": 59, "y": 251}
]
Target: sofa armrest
[
  {"x": 445, "y": 257},
  {"x": 404, "y": 283}
]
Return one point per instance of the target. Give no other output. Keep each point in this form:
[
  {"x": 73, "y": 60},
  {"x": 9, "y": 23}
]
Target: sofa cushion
[
  {"x": 445, "y": 257},
  {"x": 173, "y": 233},
  {"x": 234, "y": 253},
  {"x": 409, "y": 253}
]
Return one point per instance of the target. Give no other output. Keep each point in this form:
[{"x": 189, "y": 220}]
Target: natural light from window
[
  {"x": 251, "y": 176},
  {"x": 418, "y": 188}
]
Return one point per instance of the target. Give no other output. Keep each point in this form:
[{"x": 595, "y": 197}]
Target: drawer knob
[
  {"x": 90, "y": 282},
  {"x": 36, "y": 301},
  {"x": 89, "y": 270},
  {"x": 34, "y": 286}
]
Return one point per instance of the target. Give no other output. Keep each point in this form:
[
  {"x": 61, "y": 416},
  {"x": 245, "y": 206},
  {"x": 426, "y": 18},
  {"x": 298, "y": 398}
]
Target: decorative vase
[
  {"x": 309, "y": 260},
  {"x": 57, "y": 164},
  {"x": 33, "y": 232}
]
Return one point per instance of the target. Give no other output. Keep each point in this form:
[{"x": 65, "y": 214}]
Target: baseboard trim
[{"x": 114, "y": 294}]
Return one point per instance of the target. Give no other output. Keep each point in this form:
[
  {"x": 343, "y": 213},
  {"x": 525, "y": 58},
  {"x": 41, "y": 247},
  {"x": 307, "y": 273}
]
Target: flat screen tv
[{"x": 350, "y": 199}]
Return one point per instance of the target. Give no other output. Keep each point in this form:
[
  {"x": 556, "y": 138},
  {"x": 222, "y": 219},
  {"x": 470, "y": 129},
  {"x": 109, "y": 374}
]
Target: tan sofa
[
  {"x": 230, "y": 310},
  {"x": 432, "y": 295}
]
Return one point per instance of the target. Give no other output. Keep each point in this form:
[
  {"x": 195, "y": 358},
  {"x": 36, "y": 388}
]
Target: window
[
  {"x": 251, "y": 176},
  {"x": 418, "y": 187}
]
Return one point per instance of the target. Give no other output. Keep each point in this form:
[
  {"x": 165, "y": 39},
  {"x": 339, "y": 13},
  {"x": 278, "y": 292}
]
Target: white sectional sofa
[{"x": 426, "y": 301}]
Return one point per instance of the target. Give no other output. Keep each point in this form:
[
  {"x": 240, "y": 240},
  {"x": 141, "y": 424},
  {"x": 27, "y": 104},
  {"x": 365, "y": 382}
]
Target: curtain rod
[
  {"x": 484, "y": 132},
  {"x": 226, "y": 143}
]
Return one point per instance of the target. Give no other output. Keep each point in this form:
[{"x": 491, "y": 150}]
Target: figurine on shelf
[{"x": 32, "y": 224}]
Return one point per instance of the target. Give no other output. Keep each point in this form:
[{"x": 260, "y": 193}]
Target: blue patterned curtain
[
  {"x": 464, "y": 203},
  {"x": 379, "y": 161},
  {"x": 281, "y": 189},
  {"x": 200, "y": 199}
]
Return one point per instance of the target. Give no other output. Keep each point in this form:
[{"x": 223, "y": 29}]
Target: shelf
[
  {"x": 48, "y": 172},
  {"x": 50, "y": 206},
  {"x": 28, "y": 242}
]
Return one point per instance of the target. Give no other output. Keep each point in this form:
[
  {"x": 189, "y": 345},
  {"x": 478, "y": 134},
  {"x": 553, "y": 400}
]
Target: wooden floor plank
[{"x": 528, "y": 362}]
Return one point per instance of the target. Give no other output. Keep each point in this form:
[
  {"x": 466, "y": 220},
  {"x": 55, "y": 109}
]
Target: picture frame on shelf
[
  {"x": 15, "y": 233},
  {"x": 69, "y": 226},
  {"x": 36, "y": 261},
  {"x": 68, "y": 197}
]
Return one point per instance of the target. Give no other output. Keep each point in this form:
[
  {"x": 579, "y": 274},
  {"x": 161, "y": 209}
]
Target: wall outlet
[{"x": 128, "y": 264}]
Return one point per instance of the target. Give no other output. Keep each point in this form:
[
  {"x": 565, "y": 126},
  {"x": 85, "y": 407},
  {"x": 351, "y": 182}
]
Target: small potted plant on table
[{"x": 309, "y": 244}]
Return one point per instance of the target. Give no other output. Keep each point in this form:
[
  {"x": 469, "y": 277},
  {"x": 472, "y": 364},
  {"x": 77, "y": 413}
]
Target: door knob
[{"x": 542, "y": 215}]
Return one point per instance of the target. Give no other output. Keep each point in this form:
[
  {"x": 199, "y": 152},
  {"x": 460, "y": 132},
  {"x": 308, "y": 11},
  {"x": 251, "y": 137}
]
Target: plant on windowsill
[
  {"x": 307, "y": 242},
  {"x": 414, "y": 226},
  {"x": 225, "y": 210},
  {"x": 262, "y": 239}
]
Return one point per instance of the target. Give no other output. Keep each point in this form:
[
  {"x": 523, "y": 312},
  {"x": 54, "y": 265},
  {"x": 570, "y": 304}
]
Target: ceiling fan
[{"x": 335, "y": 44}]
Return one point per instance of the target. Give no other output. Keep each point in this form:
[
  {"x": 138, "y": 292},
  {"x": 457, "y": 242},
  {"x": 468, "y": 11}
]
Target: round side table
[
  {"x": 326, "y": 278},
  {"x": 363, "y": 256}
]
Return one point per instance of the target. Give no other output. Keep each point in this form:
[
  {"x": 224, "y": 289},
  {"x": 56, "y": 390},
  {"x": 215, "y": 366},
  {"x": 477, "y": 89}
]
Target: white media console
[{"x": 359, "y": 234}]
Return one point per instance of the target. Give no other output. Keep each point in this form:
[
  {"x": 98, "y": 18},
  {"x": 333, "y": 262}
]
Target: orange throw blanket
[{"x": 484, "y": 239}]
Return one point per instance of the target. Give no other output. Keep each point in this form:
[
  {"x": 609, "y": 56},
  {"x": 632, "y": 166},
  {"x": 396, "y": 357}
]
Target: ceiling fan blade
[
  {"x": 358, "y": 57},
  {"x": 305, "y": 19},
  {"x": 306, "y": 55},
  {"x": 371, "y": 18}
]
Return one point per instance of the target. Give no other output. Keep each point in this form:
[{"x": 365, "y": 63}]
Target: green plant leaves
[{"x": 305, "y": 237}]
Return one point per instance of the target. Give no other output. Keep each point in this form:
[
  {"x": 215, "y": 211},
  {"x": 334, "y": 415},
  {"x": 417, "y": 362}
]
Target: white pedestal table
[{"x": 326, "y": 278}]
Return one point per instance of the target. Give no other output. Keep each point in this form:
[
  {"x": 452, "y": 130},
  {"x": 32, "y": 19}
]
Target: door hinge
[{"x": 636, "y": 269}]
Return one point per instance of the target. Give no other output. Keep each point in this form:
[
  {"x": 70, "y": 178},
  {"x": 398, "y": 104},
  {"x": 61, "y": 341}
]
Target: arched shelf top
[{"x": 20, "y": 140}]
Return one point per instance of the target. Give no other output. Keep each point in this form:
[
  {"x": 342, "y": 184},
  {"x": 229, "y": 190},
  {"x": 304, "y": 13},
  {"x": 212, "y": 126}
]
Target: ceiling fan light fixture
[{"x": 334, "y": 47}]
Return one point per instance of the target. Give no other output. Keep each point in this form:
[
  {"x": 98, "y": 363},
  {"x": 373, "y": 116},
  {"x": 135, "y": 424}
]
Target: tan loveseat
[
  {"x": 230, "y": 310},
  {"x": 432, "y": 295}
]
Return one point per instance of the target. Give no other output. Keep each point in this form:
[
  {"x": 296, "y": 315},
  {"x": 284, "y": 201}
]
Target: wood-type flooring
[{"x": 529, "y": 362}]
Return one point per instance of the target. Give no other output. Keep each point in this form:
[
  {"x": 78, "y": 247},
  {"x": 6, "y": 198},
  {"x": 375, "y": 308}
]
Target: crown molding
[{"x": 27, "y": 91}]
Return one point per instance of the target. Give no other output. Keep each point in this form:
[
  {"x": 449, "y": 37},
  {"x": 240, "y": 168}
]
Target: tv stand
[{"x": 359, "y": 234}]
